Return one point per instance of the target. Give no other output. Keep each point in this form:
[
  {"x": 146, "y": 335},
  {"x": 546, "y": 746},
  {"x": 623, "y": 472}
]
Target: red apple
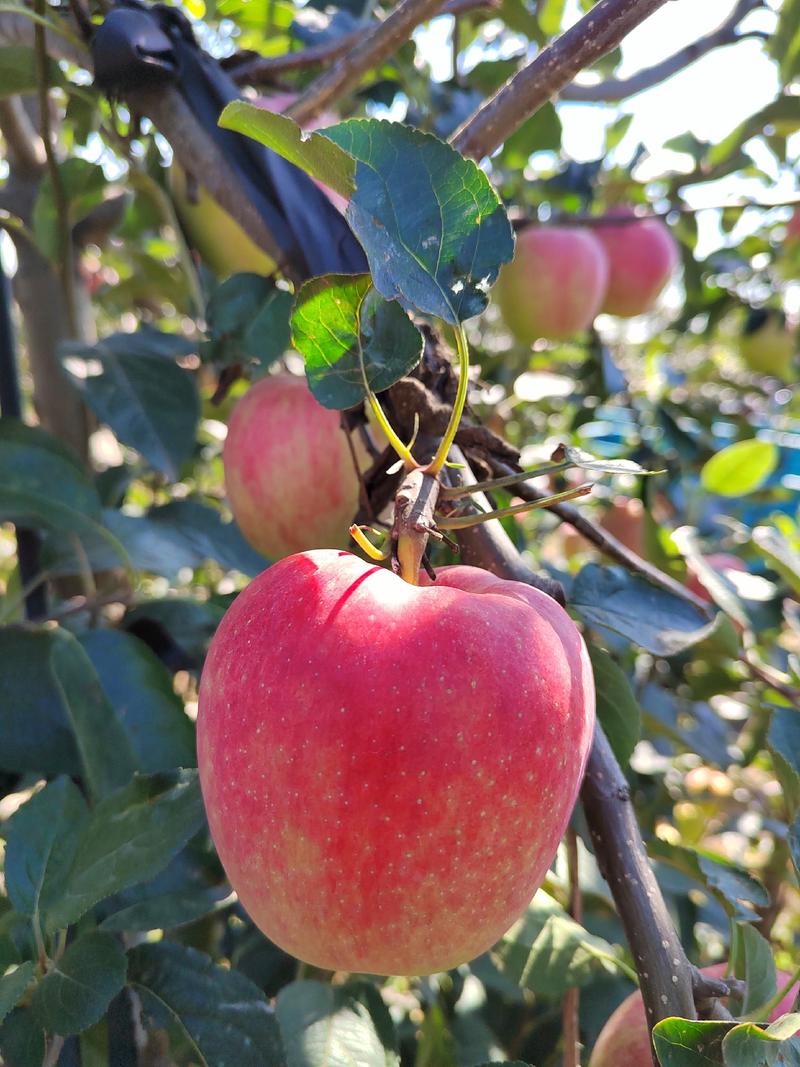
[
  {"x": 793, "y": 228},
  {"x": 388, "y": 769},
  {"x": 641, "y": 258},
  {"x": 289, "y": 473},
  {"x": 555, "y": 284},
  {"x": 624, "y": 1040},
  {"x": 720, "y": 561}
]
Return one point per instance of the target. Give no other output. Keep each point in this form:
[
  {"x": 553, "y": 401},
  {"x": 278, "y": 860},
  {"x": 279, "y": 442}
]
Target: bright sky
[{"x": 709, "y": 99}]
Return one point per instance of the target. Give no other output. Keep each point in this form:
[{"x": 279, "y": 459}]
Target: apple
[
  {"x": 289, "y": 473},
  {"x": 387, "y": 768},
  {"x": 793, "y": 228},
  {"x": 624, "y": 1040},
  {"x": 720, "y": 561},
  {"x": 642, "y": 256},
  {"x": 767, "y": 345},
  {"x": 555, "y": 284}
]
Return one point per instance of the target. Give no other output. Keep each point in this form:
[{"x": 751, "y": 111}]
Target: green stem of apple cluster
[{"x": 462, "y": 347}]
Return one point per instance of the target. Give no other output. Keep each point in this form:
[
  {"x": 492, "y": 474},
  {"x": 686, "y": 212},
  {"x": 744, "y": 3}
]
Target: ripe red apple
[
  {"x": 641, "y": 258},
  {"x": 387, "y": 768},
  {"x": 555, "y": 284},
  {"x": 720, "y": 561},
  {"x": 289, "y": 473},
  {"x": 624, "y": 1040}
]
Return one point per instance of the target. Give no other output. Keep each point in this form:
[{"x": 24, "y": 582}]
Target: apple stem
[
  {"x": 440, "y": 458},
  {"x": 402, "y": 450},
  {"x": 455, "y": 492},
  {"x": 463, "y": 522},
  {"x": 364, "y": 543},
  {"x": 415, "y": 504}
]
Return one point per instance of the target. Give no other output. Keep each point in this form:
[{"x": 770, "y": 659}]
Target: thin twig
[
  {"x": 593, "y": 36},
  {"x": 264, "y": 69},
  {"x": 614, "y": 89},
  {"x": 606, "y": 542},
  {"x": 371, "y": 50},
  {"x": 60, "y": 202},
  {"x": 770, "y": 677}
]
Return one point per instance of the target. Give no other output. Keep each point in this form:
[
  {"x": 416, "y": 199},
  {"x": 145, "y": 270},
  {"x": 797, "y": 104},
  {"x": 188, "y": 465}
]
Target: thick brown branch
[
  {"x": 23, "y": 142},
  {"x": 372, "y": 50},
  {"x": 614, "y": 89},
  {"x": 593, "y": 36},
  {"x": 665, "y": 975}
]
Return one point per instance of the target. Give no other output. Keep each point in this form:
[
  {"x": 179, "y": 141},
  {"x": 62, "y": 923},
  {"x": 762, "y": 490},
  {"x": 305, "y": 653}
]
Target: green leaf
[
  {"x": 41, "y": 840},
  {"x": 646, "y": 614},
  {"x": 780, "y": 555},
  {"x": 312, "y": 152},
  {"x": 784, "y": 44},
  {"x": 76, "y": 993},
  {"x": 323, "y": 1026},
  {"x": 140, "y": 688},
  {"x": 794, "y": 842},
  {"x": 166, "y": 912},
  {"x": 603, "y": 466},
  {"x": 617, "y": 708},
  {"x": 740, "y": 468},
  {"x": 747, "y": 1045},
  {"x": 18, "y": 71},
  {"x": 433, "y": 228},
  {"x": 547, "y": 952},
  {"x": 148, "y": 401},
  {"x": 22, "y": 1040},
  {"x": 131, "y": 836},
  {"x": 784, "y": 740},
  {"x": 43, "y": 485},
  {"x": 225, "y": 1017},
  {"x": 730, "y": 883},
  {"x": 13, "y": 985},
  {"x": 435, "y": 1044},
  {"x": 82, "y": 185},
  {"x": 247, "y": 319},
  {"x": 346, "y": 331},
  {"x": 754, "y": 963},
  {"x": 550, "y": 14},
  {"x": 688, "y": 1043},
  {"x": 95, "y": 725}
]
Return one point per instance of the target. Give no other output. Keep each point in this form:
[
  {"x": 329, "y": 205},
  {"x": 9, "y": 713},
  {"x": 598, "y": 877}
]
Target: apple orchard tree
[{"x": 396, "y": 667}]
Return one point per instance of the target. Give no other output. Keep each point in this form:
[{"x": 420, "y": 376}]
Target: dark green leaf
[
  {"x": 323, "y": 1026},
  {"x": 754, "y": 963},
  {"x": 165, "y": 912},
  {"x": 184, "y": 533},
  {"x": 749, "y": 1046},
  {"x": 131, "y": 836},
  {"x": 35, "y": 733},
  {"x": 730, "y": 883},
  {"x": 18, "y": 71},
  {"x": 312, "y": 152},
  {"x": 140, "y": 688},
  {"x": 685, "y": 1043},
  {"x": 784, "y": 740},
  {"x": 13, "y": 986},
  {"x": 76, "y": 993},
  {"x": 98, "y": 731},
  {"x": 43, "y": 485},
  {"x": 148, "y": 401},
  {"x": 794, "y": 842},
  {"x": 248, "y": 319},
  {"x": 432, "y": 226},
  {"x": 540, "y": 133},
  {"x": 41, "y": 840},
  {"x": 740, "y": 468},
  {"x": 647, "y": 615},
  {"x": 548, "y": 952},
  {"x": 225, "y": 1017},
  {"x": 22, "y": 1040},
  {"x": 81, "y": 184},
  {"x": 617, "y": 708},
  {"x": 347, "y": 332}
]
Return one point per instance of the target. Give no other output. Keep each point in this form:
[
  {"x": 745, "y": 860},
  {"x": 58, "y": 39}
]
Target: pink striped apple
[
  {"x": 624, "y": 1040},
  {"x": 388, "y": 769},
  {"x": 289, "y": 473},
  {"x": 555, "y": 284},
  {"x": 642, "y": 256}
]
